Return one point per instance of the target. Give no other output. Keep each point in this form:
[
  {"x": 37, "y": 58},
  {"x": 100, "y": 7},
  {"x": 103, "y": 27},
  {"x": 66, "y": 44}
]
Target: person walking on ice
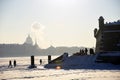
[
  {"x": 10, "y": 64},
  {"x": 14, "y": 63},
  {"x": 40, "y": 61}
]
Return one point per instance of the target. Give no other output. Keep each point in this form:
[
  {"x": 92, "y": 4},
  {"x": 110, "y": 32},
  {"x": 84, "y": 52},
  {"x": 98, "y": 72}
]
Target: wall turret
[
  {"x": 95, "y": 32},
  {"x": 101, "y": 22}
]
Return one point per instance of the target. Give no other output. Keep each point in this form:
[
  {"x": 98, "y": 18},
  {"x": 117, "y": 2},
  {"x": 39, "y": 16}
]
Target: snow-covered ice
[
  {"x": 83, "y": 62},
  {"x": 21, "y": 71}
]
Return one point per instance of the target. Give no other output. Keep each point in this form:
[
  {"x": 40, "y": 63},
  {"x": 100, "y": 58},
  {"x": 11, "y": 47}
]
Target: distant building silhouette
[
  {"x": 25, "y": 49},
  {"x": 30, "y": 47},
  {"x": 28, "y": 40},
  {"x": 36, "y": 45},
  {"x": 107, "y": 36}
]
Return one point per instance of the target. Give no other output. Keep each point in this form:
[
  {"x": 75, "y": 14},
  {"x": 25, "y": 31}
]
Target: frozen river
[{"x": 21, "y": 71}]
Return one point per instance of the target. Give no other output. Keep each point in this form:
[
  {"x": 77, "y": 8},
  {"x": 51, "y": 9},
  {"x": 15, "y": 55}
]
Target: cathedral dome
[{"x": 28, "y": 40}]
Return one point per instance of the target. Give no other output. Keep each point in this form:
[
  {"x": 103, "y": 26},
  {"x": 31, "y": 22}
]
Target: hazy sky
[{"x": 54, "y": 22}]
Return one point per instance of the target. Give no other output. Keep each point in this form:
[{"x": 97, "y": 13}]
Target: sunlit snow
[{"x": 21, "y": 71}]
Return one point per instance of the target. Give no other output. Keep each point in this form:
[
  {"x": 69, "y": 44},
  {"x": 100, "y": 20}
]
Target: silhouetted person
[
  {"x": 14, "y": 63},
  {"x": 82, "y": 52},
  {"x": 91, "y": 51},
  {"x": 10, "y": 64},
  {"x": 40, "y": 61},
  {"x": 86, "y": 51}
]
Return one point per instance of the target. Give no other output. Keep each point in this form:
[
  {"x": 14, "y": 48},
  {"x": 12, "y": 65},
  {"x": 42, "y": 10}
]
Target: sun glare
[{"x": 58, "y": 67}]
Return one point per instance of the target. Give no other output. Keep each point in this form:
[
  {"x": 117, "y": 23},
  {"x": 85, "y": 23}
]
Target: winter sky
[{"x": 54, "y": 22}]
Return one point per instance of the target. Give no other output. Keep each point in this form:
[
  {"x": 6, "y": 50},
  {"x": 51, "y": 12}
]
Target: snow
[
  {"x": 21, "y": 72},
  {"x": 110, "y": 54},
  {"x": 84, "y": 62}
]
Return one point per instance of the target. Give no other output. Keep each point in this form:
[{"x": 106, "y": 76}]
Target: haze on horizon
[{"x": 54, "y": 22}]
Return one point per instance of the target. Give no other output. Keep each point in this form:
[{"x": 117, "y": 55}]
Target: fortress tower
[
  {"x": 107, "y": 36},
  {"x": 101, "y": 22}
]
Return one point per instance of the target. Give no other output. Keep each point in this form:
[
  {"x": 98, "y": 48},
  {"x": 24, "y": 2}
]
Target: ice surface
[{"x": 21, "y": 72}]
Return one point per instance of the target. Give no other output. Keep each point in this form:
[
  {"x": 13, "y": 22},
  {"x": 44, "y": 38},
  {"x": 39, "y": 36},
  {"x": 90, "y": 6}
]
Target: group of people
[
  {"x": 14, "y": 63},
  {"x": 84, "y": 52},
  {"x": 10, "y": 64}
]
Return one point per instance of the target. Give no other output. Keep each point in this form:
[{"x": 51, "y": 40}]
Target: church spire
[{"x": 36, "y": 44}]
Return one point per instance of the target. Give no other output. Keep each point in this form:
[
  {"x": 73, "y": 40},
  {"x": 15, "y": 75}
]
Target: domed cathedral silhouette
[
  {"x": 28, "y": 40},
  {"x": 29, "y": 47}
]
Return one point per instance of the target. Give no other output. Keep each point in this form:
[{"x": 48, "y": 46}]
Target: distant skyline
[{"x": 54, "y": 22}]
